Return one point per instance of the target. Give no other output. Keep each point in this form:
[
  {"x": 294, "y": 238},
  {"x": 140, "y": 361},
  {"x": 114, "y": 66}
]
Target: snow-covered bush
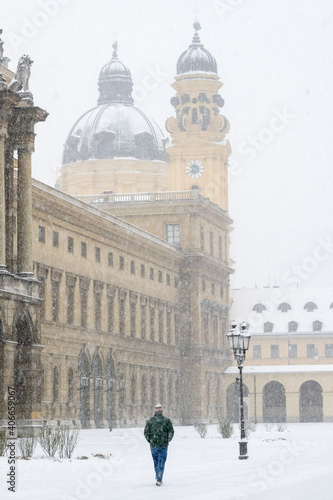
[
  {"x": 49, "y": 438},
  {"x": 225, "y": 428},
  {"x": 27, "y": 446},
  {"x": 201, "y": 428},
  {"x": 3, "y": 442},
  {"x": 281, "y": 426},
  {"x": 268, "y": 426},
  {"x": 68, "y": 441},
  {"x": 250, "y": 427}
]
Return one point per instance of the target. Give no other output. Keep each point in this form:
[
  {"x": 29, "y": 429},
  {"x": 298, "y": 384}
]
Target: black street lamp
[{"x": 239, "y": 342}]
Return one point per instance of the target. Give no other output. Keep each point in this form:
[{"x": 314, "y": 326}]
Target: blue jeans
[{"x": 159, "y": 454}]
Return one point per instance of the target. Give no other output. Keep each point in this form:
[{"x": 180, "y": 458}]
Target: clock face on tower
[{"x": 194, "y": 169}]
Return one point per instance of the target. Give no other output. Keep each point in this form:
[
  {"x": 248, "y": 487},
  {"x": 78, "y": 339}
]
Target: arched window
[
  {"x": 268, "y": 327},
  {"x": 292, "y": 326},
  {"x": 284, "y": 307},
  {"x": 55, "y": 395},
  {"x": 317, "y": 326},
  {"x": 310, "y": 306},
  {"x": 259, "y": 308}
]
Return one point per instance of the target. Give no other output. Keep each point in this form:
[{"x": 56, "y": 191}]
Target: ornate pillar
[
  {"x": 24, "y": 213},
  {"x": 2, "y": 202},
  {"x": 9, "y": 202}
]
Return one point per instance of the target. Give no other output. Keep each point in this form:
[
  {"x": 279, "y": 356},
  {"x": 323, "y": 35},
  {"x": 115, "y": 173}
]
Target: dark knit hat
[{"x": 158, "y": 408}]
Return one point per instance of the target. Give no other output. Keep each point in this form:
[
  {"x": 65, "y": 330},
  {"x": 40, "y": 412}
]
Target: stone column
[
  {"x": 2, "y": 204},
  {"x": 24, "y": 213},
  {"x": 9, "y": 197}
]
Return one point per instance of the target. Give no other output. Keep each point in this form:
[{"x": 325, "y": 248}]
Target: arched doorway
[
  {"x": 274, "y": 402},
  {"x": 84, "y": 390},
  {"x": 97, "y": 372},
  {"x": 111, "y": 392},
  {"x": 311, "y": 402},
  {"x": 233, "y": 409}
]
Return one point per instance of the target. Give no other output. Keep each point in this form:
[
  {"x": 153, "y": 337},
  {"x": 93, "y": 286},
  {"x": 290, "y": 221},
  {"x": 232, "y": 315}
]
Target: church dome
[
  {"x": 196, "y": 58},
  {"x": 115, "y": 128}
]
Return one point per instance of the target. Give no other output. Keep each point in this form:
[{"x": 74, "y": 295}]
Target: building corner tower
[{"x": 199, "y": 151}]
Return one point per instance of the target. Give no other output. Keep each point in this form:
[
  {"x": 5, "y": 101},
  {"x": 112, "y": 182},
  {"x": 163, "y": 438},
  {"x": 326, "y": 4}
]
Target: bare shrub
[
  {"x": 49, "y": 438},
  {"x": 225, "y": 428},
  {"x": 27, "y": 446},
  {"x": 268, "y": 426},
  {"x": 3, "y": 442},
  {"x": 201, "y": 429},
  {"x": 68, "y": 439},
  {"x": 281, "y": 426}
]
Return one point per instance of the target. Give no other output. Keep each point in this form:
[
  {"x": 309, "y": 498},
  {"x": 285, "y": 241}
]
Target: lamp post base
[{"x": 243, "y": 450}]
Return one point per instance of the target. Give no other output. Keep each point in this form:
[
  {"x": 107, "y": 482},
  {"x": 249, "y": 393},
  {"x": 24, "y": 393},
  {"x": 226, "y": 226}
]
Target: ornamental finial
[
  {"x": 196, "y": 25},
  {"x": 115, "y": 49}
]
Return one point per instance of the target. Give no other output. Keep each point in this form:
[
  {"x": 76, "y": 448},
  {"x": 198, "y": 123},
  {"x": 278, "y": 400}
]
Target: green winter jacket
[{"x": 159, "y": 430}]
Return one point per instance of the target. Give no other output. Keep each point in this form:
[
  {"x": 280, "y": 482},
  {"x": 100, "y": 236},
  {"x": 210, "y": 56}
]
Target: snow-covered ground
[{"x": 295, "y": 464}]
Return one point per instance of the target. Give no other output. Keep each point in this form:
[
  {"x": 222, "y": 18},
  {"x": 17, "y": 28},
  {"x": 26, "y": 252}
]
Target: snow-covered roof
[{"x": 318, "y": 302}]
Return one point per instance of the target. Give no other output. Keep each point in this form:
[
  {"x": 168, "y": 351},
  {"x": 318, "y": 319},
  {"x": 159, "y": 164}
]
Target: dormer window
[
  {"x": 259, "y": 308},
  {"x": 268, "y": 327},
  {"x": 317, "y": 326},
  {"x": 310, "y": 306},
  {"x": 284, "y": 307},
  {"x": 292, "y": 326}
]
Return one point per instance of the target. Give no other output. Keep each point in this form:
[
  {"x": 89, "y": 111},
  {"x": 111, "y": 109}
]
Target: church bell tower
[{"x": 199, "y": 151}]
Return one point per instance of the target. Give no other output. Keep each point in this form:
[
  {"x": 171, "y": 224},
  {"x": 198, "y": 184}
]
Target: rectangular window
[
  {"x": 213, "y": 288},
  {"x": 160, "y": 276},
  {"x": 172, "y": 231},
  {"x": 70, "y": 244},
  {"x": 110, "y": 313},
  {"x": 151, "y": 273},
  {"x": 202, "y": 239},
  {"x": 98, "y": 310},
  {"x": 211, "y": 243},
  {"x": 152, "y": 324},
  {"x": 292, "y": 351},
  {"x": 203, "y": 285},
  {"x": 133, "y": 318},
  {"x": 160, "y": 326},
  {"x": 168, "y": 326},
  {"x": 97, "y": 254},
  {"x": 221, "y": 291},
  {"x": 110, "y": 259},
  {"x": 132, "y": 267},
  {"x": 257, "y": 352},
  {"x": 55, "y": 300},
  {"x": 310, "y": 351},
  {"x": 122, "y": 317},
  {"x": 83, "y": 249},
  {"x": 84, "y": 306},
  {"x": 220, "y": 247},
  {"x": 143, "y": 271},
  {"x": 275, "y": 352},
  {"x": 176, "y": 282},
  {"x": 168, "y": 280},
  {"x": 328, "y": 350},
  {"x": 41, "y": 234},
  {"x": 70, "y": 305},
  {"x": 55, "y": 239},
  {"x": 143, "y": 320},
  {"x": 121, "y": 263}
]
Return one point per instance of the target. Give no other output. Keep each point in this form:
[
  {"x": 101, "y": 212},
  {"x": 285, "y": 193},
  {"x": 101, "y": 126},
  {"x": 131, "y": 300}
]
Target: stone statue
[{"x": 21, "y": 79}]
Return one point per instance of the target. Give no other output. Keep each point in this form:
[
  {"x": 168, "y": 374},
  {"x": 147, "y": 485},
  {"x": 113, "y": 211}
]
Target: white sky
[{"x": 275, "y": 58}]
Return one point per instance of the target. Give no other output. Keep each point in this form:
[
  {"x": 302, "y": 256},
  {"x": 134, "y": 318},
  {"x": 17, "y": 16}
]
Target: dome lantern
[
  {"x": 115, "y": 82},
  {"x": 196, "y": 59}
]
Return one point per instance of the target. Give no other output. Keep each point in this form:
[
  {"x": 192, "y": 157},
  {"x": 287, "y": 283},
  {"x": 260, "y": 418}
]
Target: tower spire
[{"x": 115, "y": 49}]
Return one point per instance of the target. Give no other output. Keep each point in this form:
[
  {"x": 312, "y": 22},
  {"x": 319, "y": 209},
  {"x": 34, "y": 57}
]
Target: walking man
[{"x": 159, "y": 432}]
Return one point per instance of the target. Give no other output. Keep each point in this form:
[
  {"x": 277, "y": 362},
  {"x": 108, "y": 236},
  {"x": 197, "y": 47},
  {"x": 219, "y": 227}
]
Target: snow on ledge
[{"x": 281, "y": 369}]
